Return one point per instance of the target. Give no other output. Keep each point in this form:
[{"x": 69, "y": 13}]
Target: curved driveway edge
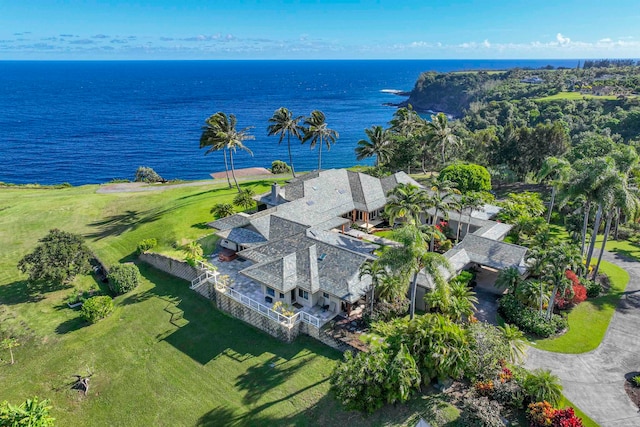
[{"x": 594, "y": 381}]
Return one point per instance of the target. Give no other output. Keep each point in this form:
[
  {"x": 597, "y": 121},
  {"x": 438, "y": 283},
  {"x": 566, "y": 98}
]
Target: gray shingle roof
[
  {"x": 233, "y": 221},
  {"x": 242, "y": 236},
  {"x": 492, "y": 253}
]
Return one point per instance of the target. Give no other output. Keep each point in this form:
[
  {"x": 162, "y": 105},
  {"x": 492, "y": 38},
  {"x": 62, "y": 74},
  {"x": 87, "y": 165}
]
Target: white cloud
[
  {"x": 486, "y": 43},
  {"x": 562, "y": 40}
]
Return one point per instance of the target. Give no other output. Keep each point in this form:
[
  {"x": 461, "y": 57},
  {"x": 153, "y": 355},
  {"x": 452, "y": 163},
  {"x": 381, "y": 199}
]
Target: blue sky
[{"x": 412, "y": 29}]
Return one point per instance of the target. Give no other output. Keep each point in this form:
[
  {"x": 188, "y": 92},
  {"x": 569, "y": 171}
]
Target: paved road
[{"x": 594, "y": 381}]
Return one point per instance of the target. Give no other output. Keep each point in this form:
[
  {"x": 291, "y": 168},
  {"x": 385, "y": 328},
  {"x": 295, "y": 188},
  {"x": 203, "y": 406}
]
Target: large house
[{"x": 299, "y": 252}]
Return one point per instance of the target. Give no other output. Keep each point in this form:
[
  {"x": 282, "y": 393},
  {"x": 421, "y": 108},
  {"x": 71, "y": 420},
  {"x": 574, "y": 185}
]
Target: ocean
[{"x": 92, "y": 121}]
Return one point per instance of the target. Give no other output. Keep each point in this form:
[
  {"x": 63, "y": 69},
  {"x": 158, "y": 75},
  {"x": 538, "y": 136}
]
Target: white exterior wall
[{"x": 228, "y": 244}]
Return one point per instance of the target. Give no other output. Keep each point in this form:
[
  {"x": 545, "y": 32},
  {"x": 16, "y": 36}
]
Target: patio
[{"x": 253, "y": 290}]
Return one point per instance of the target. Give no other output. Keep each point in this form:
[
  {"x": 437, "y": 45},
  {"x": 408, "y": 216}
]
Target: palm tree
[
  {"x": 379, "y": 145},
  {"x": 317, "y": 132},
  {"x": 508, "y": 278},
  {"x": 244, "y": 198},
  {"x": 406, "y": 122},
  {"x": 221, "y": 133},
  {"x": 209, "y": 139},
  {"x": 10, "y": 344},
  {"x": 408, "y": 202},
  {"x": 557, "y": 171},
  {"x": 412, "y": 256},
  {"x": 440, "y": 135},
  {"x": 473, "y": 201},
  {"x": 618, "y": 199},
  {"x": 442, "y": 199},
  {"x": 283, "y": 123},
  {"x": 515, "y": 338},
  {"x": 222, "y": 210},
  {"x": 561, "y": 258},
  {"x": 377, "y": 272}
]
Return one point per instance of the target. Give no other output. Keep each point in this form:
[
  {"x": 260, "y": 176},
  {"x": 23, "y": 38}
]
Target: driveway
[{"x": 594, "y": 381}]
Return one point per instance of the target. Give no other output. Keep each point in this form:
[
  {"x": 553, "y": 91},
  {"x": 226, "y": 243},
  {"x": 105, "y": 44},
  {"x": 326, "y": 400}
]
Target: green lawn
[
  {"x": 166, "y": 356},
  {"x": 588, "y": 322},
  {"x": 575, "y": 96}
]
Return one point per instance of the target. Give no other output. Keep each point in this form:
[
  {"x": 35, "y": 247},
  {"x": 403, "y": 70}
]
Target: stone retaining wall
[
  {"x": 254, "y": 318},
  {"x": 170, "y": 265}
]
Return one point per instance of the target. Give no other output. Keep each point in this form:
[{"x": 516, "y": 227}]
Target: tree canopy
[{"x": 57, "y": 259}]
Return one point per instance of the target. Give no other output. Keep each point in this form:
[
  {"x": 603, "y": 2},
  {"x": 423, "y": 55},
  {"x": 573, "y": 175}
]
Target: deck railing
[{"x": 288, "y": 321}]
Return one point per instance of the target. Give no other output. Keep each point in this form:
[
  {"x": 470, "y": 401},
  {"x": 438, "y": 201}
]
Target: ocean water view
[{"x": 92, "y": 121}]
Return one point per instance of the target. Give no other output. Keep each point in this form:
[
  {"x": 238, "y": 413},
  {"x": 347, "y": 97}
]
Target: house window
[
  {"x": 303, "y": 294},
  {"x": 271, "y": 292},
  {"x": 325, "y": 295},
  {"x": 281, "y": 295}
]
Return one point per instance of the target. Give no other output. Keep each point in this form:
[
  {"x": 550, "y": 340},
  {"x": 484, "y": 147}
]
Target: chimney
[{"x": 275, "y": 191}]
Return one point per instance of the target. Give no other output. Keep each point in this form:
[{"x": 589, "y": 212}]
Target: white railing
[
  {"x": 204, "y": 277},
  {"x": 288, "y": 321}
]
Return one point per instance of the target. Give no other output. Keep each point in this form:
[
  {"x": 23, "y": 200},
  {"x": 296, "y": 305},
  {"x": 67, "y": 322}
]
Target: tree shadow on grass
[
  {"x": 201, "y": 226},
  {"x": 71, "y": 325},
  {"x": 116, "y": 225},
  {"x": 23, "y": 291},
  {"x": 260, "y": 379}
]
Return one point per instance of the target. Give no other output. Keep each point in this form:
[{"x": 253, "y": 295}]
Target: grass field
[
  {"x": 588, "y": 322},
  {"x": 575, "y": 96},
  {"x": 166, "y": 356}
]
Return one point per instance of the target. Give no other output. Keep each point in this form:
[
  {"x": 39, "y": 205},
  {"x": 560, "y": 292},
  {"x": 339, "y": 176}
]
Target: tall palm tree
[
  {"x": 379, "y": 145},
  {"x": 561, "y": 258},
  {"x": 619, "y": 198},
  {"x": 556, "y": 171},
  {"x": 209, "y": 138},
  {"x": 317, "y": 132},
  {"x": 473, "y": 201},
  {"x": 443, "y": 198},
  {"x": 440, "y": 135},
  {"x": 412, "y": 256},
  {"x": 221, "y": 133},
  {"x": 406, "y": 122},
  {"x": 407, "y": 201},
  {"x": 283, "y": 123},
  {"x": 377, "y": 272}
]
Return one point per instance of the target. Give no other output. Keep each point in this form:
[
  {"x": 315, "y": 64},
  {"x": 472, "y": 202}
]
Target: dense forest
[{"x": 510, "y": 121}]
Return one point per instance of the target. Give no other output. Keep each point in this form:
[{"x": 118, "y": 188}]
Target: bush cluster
[
  {"x": 468, "y": 177},
  {"x": 480, "y": 412},
  {"x": 543, "y": 414},
  {"x": 146, "y": 244},
  {"x": 96, "y": 308},
  {"x": 278, "y": 167},
  {"x": 146, "y": 174},
  {"x": 124, "y": 278},
  {"x": 593, "y": 288},
  {"x": 529, "y": 319}
]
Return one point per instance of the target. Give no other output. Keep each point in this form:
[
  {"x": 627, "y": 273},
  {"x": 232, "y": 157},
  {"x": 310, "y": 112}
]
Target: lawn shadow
[
  {"x": 71, "y": 325},
  {"x": 23, "y": 291},
  {"x": 260, "y": 379},
  {"x": 116, "y": 225},
  {"x": 201, "y": 226}
]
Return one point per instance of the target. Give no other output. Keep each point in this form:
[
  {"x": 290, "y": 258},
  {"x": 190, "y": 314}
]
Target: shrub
[
  {"x": 484, "y": 388},
  {"x": 636, "y": 381},
  {"x": 566, "y": 418},
  {"x": 124, "y": 278},
  {"x": 593, "y": 288},
  {"x": 464, "y": 277},
  {"x": 30, "y": 413},
  {"x": 468, "y": 177},
  {"x": 146, "y": 244},
  {"x": 96, "y": 308},
  {"x": 488, "y": 349},
  {"x": 540, "y": 414},
  {"x": 480, "y": 412},
  {"x": 509, "y": 394},
  {"x": 359, "y": 381},
  {"x": 579, "y": 294},
  {"x": 278, "y": 167},
  {"x": 541, "y": 385},
  {"x": 384, "y": 311},
  {"x": 528, "y": 319},
  {"x": 146, "y": 174}
]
